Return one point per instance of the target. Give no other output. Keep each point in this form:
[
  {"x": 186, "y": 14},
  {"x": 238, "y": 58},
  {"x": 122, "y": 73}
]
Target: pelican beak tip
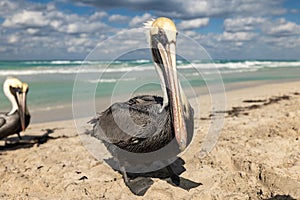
[{"x": 182, "y": 145}]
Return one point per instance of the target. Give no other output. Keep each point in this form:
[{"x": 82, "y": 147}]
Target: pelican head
[
  {"x": 12, "y": 88},
  {"x": 163, "y": 35},
  {"x": 11, "y": 84}
]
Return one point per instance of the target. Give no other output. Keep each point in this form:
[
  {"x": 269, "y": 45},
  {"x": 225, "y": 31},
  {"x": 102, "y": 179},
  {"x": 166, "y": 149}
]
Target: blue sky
[{"x": 70, "y": 29}]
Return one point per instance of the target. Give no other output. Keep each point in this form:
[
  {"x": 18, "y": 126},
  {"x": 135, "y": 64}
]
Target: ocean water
[{"x": 51, "y": 83}]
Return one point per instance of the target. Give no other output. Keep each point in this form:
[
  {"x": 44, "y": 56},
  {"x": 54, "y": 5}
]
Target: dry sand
[{"x": 257, "y": 156}]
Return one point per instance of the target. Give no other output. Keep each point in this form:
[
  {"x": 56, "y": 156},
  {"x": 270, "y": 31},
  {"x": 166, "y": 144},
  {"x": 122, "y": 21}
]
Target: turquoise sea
[{"x": 51, "y": 82}]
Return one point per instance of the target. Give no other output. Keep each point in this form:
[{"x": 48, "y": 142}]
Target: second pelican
[{"x": 13, "y": 122}]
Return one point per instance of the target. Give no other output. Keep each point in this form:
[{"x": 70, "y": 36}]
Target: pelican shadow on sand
[
  {"x": 141, "y": 182},
  {"x": 28, "y": 141}
]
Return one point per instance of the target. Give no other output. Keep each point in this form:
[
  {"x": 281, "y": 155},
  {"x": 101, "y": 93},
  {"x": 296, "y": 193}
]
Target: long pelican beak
[
  {"x": 21, "y": 98},
  {"x": 163, "y": 42}
]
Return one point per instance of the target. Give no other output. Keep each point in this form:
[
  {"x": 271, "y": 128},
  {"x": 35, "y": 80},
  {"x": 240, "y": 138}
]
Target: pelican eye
[
  {"x": 161, "y": 31},
  {"x": 14, "y": 89},
  {"x": 161, "y": 37}
]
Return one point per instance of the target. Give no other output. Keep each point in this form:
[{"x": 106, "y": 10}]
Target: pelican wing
[
  {"x": 2, "y": 121},
  {"x": 130, "y": 122}
]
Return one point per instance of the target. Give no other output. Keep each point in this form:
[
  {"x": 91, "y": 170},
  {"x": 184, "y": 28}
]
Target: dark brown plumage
[{"x": 137, "y": 125}]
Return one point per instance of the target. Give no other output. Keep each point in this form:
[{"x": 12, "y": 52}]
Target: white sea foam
[
  {"x": 112, "y": 80},
  {"x": 244, "y": 65},
  {"x": 121, "y": 67},
  {"x": 209, "y": 72},
  {"x": 70, "y": 70},
  {"x": 142, "y": 61}
]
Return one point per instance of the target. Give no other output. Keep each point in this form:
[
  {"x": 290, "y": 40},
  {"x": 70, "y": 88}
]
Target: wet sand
[{"x": 257, "y": 156}]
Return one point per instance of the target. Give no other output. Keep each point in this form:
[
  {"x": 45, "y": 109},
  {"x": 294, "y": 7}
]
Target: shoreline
[{"x": 64, "y": 112}]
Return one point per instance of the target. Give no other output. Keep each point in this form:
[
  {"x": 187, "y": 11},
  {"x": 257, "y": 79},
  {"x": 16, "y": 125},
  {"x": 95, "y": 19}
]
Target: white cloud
[
  {"x": 191, "y": 33},
  {"x": 72, "y": 28},
  {"x": 98, "y": 15},
  {"x": 43, "y": 30},
  {"x": 118, "y": 18},
  {"x": 194, "y": 7},
  {"x": 215, "y": 8},
  {"x": 56, "y": 23},
  {"x": 26, "y": 18},
  {"x": 7, "y": 6},
  {"x": 32, "y": 31},
  {"x": 80, "y": 27},
  {"x": 42, "y": 21},
  {"x": 3, "y": 49},
  {"x": 237, "y": 36},
  {"x": 294, "y": 11},
  {"x": 281, "y": 43},
  {"x": 124, "y": 43},
  {"x": 189, "y": 9},
  {"x": 243, "y": 24},
  {"x": 139, "y": 20},
  {"x": 260, "y": 8},
  {"x": 13, "y": 39},
  {"x": 38, "y": 29},
  {"x": 282, "y": 28},
  {"x": 193, "y": 24}
]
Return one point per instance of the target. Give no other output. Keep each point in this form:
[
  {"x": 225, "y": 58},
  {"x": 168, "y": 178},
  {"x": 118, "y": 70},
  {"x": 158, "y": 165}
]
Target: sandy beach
[{"x": 257, "y": 156}]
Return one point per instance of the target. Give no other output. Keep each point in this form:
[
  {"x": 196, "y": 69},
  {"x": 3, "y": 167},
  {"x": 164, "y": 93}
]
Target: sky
[{"x": 226, "y": 29}]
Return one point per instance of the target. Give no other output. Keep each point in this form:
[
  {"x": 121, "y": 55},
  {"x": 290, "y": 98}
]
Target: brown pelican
[
  {"x": 13, "y": 122},
  {"x": 147, "y": 124}
]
